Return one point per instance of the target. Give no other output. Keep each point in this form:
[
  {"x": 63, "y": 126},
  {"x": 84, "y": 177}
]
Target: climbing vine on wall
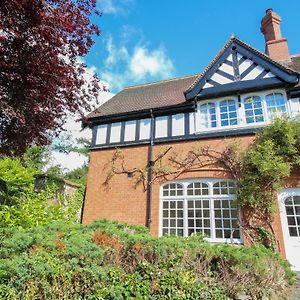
[
  {"x": 169, "y": 165},
  {"x": 259, "y": 172},
  {"x": 273, "y": 157}
]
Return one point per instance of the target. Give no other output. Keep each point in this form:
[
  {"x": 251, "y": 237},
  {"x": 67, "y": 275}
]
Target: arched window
[
  {"x": 208, "y": 115},
  {"x": 275, "y": 105},
  {"x": 207, "y": 206},
  {"x": 253, "y": 109},
  {"x": 228, "y": 112}
]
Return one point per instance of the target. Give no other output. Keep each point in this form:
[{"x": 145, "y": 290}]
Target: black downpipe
[{"x": 150, "y": 172}]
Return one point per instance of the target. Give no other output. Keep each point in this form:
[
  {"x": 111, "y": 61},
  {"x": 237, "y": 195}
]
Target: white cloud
[
  {"x": 115, "y": 54},
  {"x": 115, "y": 7},
  {"x": 155, "y": 63},
  {"x": 123, "y": 68}
]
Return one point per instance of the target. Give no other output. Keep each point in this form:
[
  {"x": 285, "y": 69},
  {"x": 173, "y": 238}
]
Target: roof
[
  {"x": 172, "y": 92},
  {"x": 294, "y": 64},
  {"x": 146, "y": 96}
]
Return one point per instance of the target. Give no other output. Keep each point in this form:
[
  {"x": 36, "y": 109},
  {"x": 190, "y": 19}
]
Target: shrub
[{"x": 109, "y": 260}]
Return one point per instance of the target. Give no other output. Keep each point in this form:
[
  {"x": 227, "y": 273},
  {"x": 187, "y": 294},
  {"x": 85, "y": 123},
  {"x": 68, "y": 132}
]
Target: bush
[{"x": 109, "y": 260}]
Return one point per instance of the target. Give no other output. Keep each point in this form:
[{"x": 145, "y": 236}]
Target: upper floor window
[
  {"x": 228, "y": 112},
  {"x": 253, "y": 110},
  {"x": 208, "y": 115},
  {"x": 275, "y": 105}
]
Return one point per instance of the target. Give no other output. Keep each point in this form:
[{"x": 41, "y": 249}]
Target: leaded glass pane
[
  {"x": 208, "y": 115},
  {"x": 199, "y": 206},
  {"x": 228, "y": 112},
  {"x": 253, "y": 110},
  {"x": 275, "y": 105}
]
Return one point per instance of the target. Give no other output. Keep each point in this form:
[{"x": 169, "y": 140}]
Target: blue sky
[{"x": 149, "y": 40}]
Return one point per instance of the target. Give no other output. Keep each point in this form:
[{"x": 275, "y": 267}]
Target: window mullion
[
  {"x": 212, "y": 213},
  {"x": 218, "y": 116},
  {"x": 241, "y": 112},
  {"x": 185, "y": 213},
  {"x": 265, "y": 111}
]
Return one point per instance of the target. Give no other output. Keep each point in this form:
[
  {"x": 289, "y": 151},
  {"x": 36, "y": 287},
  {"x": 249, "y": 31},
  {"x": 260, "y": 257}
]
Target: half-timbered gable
[{"x": 240, "y": 91}]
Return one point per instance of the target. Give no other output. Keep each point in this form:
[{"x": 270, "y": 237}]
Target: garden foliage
[
  {"x": 22, "y": 206},
  {"x": 272, "y": 158},
  {"x": 108, "y": 260}
]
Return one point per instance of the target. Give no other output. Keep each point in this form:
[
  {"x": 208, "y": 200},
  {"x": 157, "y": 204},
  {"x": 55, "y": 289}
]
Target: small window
[
  {"x": 228, "y": 112},
  {"x": 172, "y": 189},
  {"x": 275, "y": 105},
  {"x": 208, "y": 115},
  {"x": 197, "y": 188},
  {"x": 224, "y": 188},
  {"x": 253, "y": 110}
]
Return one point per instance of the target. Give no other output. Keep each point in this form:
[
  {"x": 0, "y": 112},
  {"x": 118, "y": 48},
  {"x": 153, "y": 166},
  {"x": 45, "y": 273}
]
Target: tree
[{"x": 41, "y": 77}]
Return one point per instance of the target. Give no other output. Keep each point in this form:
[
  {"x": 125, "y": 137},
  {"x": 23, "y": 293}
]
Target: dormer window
[
  {"x": 228, "y": 112},
  {"x": 208, "y": 115},
  {"x": 253, "y": 110},
  {"x": 276, "y": 105}
]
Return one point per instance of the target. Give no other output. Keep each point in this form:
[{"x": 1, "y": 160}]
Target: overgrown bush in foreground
[{"x": 108, "y": 260}]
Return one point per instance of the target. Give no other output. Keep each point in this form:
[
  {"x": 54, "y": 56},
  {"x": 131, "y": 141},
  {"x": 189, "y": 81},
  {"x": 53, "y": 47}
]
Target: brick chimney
[{"x": 276, "y": 46}]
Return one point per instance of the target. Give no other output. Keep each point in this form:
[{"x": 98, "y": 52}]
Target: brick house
[{"x": 239, "y": 92}]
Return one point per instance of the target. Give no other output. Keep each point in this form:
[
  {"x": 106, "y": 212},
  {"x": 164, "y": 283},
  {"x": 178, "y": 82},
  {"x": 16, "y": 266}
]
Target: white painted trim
[
  {"x": 289, "y": 242},
  {"x": 210, "y": 182},
  {"x": 240, "y": 112}
]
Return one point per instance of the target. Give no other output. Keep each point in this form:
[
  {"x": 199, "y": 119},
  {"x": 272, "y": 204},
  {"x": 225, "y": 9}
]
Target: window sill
[{"x": 231, "y": 128}]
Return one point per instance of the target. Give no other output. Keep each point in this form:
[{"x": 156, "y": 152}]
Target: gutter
[{"x": 150, "y": 172}]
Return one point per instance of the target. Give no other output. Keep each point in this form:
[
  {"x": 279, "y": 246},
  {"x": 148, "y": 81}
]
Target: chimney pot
[
  {"x": 276, "y": 46},
  {"x": 269, "y": 9}
]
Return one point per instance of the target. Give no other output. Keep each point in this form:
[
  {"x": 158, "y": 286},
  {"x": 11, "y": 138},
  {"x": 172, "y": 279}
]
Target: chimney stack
[{"x": 276, "y": 46}]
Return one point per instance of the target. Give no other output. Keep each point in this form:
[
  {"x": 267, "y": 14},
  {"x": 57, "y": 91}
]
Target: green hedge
[{"x": 108, "y": 260}]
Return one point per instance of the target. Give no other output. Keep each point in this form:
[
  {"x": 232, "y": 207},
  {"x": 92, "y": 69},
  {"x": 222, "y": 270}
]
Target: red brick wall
[{"x": 121, "y": 201}]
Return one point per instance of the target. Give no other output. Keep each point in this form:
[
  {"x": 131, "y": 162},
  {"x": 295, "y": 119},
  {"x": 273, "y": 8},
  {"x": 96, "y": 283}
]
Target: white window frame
[
  {"x": 263, "y": 95},
  {"x": 211, "y": 197},
  {"x": 241, "y": 122}
]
